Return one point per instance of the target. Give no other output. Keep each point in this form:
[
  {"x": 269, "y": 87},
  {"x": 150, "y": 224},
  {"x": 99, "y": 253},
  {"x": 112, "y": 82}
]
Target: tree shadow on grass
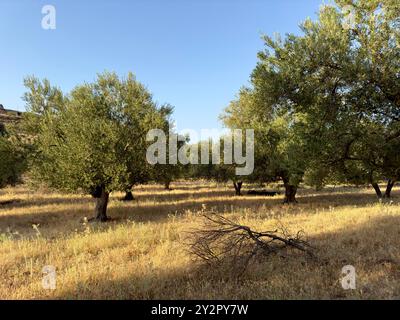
[
  {"x": 66, "y": 215},
  {"x": 9, "y": 203},
  {"x": 60, "y": 219},
  {"x": 344, "y": 199},
  {"x": 156, "y": 196},
  {"x": 42, "y": 201},
  {"x": 154, "y": 193},
  {"x": 174, "y": 196}
]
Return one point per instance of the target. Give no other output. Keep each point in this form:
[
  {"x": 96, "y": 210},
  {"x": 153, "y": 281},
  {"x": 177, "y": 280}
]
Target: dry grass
[{"x": 141, "y": 254}]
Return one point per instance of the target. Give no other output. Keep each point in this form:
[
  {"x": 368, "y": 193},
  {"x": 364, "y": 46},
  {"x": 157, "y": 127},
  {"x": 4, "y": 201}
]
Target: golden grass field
[{"x": 141, "y": 253}]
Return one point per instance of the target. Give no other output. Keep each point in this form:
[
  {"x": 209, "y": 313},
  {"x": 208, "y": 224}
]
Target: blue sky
[{"x": 193, "y": 54}]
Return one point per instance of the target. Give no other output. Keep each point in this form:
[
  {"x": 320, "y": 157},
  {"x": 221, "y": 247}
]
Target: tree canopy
[
  {"x": 328, "y": 100},
  {"x": 12, "y": 158}
]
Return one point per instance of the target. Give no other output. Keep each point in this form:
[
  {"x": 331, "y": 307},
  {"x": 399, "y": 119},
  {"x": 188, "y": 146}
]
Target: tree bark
[
  {"x": 290, "y": 193},
  {"x": 128, "y": 196},
  {"x": 389, "y": 188},
  {"x": 377, "y": 190},
  {"x": 167, "y": 185},
  {"x": 238, "y": 187},
  {"x": 96, "y": 192},
  {"x": 101, "y": 206}
]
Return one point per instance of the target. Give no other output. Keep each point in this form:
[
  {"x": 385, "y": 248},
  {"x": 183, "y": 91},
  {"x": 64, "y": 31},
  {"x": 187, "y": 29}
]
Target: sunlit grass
[{"x": 141, "y": 252}]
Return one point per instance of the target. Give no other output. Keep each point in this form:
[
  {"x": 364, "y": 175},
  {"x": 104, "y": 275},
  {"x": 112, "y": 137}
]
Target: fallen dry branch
[{"x": 222, "y": 240}]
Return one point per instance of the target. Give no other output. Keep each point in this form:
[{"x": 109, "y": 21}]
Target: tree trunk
[
  {"x": 389, "y": 188},
  {"x": 101, "y": 206},
  {"x": 238, "y": 187},
  {"x": 167, "y": 185},
  {"x": 377, "y": 190},
  {"x": 290, "y": 193},
  {"x": 128, "y": 196},
  {"x": 96, "y": 192}
]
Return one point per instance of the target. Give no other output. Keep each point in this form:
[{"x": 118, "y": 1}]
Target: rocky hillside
[{"x": 9, "y": 116}]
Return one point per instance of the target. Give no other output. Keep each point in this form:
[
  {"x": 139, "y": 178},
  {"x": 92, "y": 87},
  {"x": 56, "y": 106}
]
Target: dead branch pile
[{"x": 222, "y": 240}]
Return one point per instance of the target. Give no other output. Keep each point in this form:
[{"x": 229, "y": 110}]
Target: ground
[{"x": 142, "y": 252}]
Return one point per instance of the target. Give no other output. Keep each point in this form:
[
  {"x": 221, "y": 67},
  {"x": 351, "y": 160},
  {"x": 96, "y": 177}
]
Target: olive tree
[
  {"x": 12, "y": 158},
  {"x": 92, "y": 140},
  {"x": 279, "y": 148},
  {"x": 329, "y": 98}
]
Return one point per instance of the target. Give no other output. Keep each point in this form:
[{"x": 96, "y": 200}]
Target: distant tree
[
  {"x": 279, "y": 150},
  {"x": 12, "y": 159},
  {"x": 2, "y": 130},
  {"x": 141, "y": 172},
  {"x": 317, "y": 177},
  {"x": 198, "y": 170},
  {"x": 94, "y": 139},
  {"x": 218, "y": 169},
  {"x": 166, "y": 173}
]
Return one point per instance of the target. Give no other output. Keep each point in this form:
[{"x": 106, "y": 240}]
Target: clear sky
[{"x": 193, "y": 54}]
